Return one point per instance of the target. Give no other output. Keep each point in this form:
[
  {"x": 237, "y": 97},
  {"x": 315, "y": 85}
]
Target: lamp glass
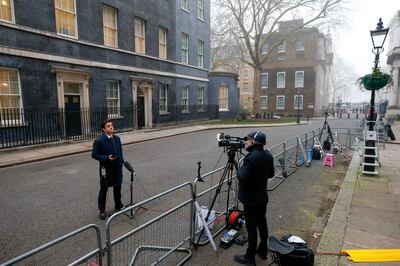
[{"x": 378, "y": 38}]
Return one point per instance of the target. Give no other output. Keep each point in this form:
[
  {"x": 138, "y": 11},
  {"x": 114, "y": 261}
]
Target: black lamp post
[
  {"x": 378, "y": 37},
  {"x": 298, "y": 107}
]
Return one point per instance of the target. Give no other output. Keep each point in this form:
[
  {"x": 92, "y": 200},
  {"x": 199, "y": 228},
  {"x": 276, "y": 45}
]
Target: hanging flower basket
[{"x": 375, "y": 81}]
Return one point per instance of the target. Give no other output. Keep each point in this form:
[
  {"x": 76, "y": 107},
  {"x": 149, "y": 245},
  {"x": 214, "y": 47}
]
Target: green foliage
[
  {"x": 376, "y": 80},
  {"x": 243, "y": 113}
]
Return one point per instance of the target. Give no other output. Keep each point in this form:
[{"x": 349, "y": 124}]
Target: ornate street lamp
[{"x": 378, "y": 37}]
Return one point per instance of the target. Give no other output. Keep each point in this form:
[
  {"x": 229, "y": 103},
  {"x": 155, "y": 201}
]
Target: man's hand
[{"x": 111, "y": 157}]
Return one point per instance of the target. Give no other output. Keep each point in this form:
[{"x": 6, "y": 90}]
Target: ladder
[
  {"x": 303, "y": 152},
  {"x": 372, "y": 153}
]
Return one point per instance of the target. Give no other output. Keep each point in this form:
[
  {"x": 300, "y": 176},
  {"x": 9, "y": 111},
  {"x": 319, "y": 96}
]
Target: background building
[
  {"x": 295, "y": 77},
  {"x": 141, "y": 63},
  {"x": 394, "y": 63}
]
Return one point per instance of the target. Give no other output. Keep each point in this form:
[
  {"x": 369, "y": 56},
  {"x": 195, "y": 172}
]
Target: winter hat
[{"x": 258, "y": 136}]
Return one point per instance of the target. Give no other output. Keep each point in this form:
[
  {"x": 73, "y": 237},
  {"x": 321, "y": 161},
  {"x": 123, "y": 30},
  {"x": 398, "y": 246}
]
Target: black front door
[
  {"x": 140, "y": 111},
  {"x": 72, "y": 115}
]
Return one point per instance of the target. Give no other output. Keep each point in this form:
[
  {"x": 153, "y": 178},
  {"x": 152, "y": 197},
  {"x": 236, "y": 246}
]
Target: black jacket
[
  {"x": 102, "y": 148},
  {"x": 258, "y": 166}
]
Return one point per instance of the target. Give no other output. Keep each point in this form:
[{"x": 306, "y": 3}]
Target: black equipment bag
[
  {"x": 316, "y": 154},
  {"x": 302, "y": 255},
  {"x": 327, "y": 144}
]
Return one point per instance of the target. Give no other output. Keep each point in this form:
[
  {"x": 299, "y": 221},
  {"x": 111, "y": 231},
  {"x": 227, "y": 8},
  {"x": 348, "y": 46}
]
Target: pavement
[{"x": 366, "y": 213}]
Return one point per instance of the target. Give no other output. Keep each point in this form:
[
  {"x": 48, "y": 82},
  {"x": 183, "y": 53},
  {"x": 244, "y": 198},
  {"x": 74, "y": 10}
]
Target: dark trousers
[
  {"x": 103, "y": 195},
  {"x": 255, "y": 219}
]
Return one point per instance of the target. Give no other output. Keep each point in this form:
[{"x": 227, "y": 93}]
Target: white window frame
[
  {"x": 282, "y": 47},
  {"x": 264, "y": 49},
  {"x": 162, "y": 44},
  {"x": 13, "y": 122},
  {"x": 279, "y": 83},
  {"x": 300, "y": 103},
  {"x": 298, "y": 83},
  {"x": 75, "y": 20},
  {"x": 112, "y": 114},
  {"x": 163, "y": 99},
  {"x": 266, "y": 102},
  {"x": 281, "y": 57},
  {"x": 200, "y": 99},
  {"x": 200, "y": 9},
  {"x": 299, "y": 45},
  {"x": 185, "y": 5},
  {"x": 12, "y": 13},
  {"x": 185, "y": 99},
  {"x": 277, "y": 101},
  {"x": 106, "y": 26},
  {"x": 138, "y": 37},
  {"x": 245, "y": 91},
  {"x": 264, "y": 74},
  {"x": 200, "y": 53},
  {"x": 185, "y": 49},
  {"x": 245, "y": 71},
  {"x": 223, "y": 98}
]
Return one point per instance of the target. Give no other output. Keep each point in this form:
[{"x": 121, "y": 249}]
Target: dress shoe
[
  {"x": 243, "y": 259},
  {"x": 263, "y": 254},
  {"x": 119, "y": 207},
  {"x": 102, "y": 215}
]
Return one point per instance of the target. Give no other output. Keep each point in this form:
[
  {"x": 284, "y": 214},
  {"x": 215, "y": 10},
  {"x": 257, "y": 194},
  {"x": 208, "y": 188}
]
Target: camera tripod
[
  {"x": 227, "y": 174},
  {"x": 327, "y": 128}
]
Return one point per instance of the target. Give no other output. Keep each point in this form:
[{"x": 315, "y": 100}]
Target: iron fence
[
  {"x": 25, "y": 127},
  {"x": 179, "y": 114}
]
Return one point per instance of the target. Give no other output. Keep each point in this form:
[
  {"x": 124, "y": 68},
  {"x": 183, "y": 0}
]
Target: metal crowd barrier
[
  {"x": 93, "y": 256},
  {"x": 165, "y": 237}
]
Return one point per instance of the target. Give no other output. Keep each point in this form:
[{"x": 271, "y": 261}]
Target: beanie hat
[{"x": 258, "y": 136}]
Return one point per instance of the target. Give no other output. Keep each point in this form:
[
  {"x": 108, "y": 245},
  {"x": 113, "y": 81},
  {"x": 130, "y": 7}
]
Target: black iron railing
[{"x": 25, "y": 127}]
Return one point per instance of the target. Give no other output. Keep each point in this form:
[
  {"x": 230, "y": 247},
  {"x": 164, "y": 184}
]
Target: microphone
[{"x": 129, "y": 167}]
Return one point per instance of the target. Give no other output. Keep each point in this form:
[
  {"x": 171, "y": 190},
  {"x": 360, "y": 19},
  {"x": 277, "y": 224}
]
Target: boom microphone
[{"x": 129, "y": 167}]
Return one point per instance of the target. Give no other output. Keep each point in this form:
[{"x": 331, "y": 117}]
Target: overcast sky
[{"x": 353, "y": 42}]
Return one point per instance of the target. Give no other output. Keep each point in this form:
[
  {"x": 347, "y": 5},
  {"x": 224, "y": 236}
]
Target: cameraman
[
  {"x": 107, "y": 150},
  {"x": 258, "y": 166}
]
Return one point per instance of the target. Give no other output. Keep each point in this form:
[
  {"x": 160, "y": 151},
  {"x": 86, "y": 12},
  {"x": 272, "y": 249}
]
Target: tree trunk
[{"x": 257, "y": 91}]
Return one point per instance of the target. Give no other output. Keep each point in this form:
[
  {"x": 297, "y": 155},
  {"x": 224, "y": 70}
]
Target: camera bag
[
  {"x": 327, "y": 145},
  {"x": 316, "y": 154},
  {"x": 301, "y": 255}
]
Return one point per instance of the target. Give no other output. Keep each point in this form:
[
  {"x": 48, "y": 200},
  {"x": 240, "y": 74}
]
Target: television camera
[{"x": 233, "y": 143}]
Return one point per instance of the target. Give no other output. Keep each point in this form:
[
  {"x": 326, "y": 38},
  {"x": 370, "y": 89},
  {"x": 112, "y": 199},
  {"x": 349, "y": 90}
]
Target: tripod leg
[{"x": 221, "y": 182}]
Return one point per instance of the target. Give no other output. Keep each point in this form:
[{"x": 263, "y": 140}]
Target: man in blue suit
[{"x": 107, "y": 149}]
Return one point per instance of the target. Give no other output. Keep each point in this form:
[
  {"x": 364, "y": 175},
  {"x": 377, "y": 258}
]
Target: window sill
[
  {"x": 186, "y": 10},
  {"x": 201, "y": 110},
  {"x": 223, "y": 110},
  {"x": 164, "y": 113},
  {"x": 185, "y": 112},
  {"x": 115, "y": 117},
  {"x": 13, "y": 125},
  {"x": 67, "y": 36},
  {"x": 201, "y": 19}
]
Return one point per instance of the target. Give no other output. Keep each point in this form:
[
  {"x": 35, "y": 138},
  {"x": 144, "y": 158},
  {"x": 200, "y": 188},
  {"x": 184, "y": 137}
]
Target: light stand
[
  {"x": 132, "y": 212},
  {"x": 227, "y": 174},
  {"x": 378, "y": 37}
]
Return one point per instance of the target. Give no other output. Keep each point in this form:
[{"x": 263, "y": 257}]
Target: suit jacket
[{"x": 104, "y": 146}]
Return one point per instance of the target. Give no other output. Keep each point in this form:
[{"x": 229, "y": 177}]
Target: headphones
[{"x": 254, "y": 138}]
